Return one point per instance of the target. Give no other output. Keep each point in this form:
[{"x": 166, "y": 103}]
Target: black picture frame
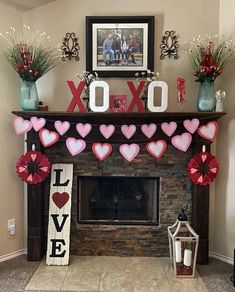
[{"x": 131, "y": 61}]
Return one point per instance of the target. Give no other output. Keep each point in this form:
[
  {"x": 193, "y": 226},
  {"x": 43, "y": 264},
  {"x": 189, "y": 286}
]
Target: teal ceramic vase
[
  {"x": 29, "y": 96},
  {"x": 206, "y": 97}
]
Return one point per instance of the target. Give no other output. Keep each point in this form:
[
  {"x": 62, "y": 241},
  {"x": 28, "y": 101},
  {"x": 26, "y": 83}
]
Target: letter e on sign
[{"x": 164, "y": 97}]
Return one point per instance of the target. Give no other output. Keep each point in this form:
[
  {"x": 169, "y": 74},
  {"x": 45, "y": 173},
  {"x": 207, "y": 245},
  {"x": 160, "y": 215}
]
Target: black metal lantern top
[
  {"x": 70, "y": 47},
  {"x": 182, "y": 216}
]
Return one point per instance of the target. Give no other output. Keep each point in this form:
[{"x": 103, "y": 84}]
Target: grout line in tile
[{"x": 64, "y": 279}]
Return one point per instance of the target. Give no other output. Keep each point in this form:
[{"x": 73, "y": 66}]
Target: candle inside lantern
[
  {"x": 178, "y": 256},
  {"x": 187, "y": 257}
]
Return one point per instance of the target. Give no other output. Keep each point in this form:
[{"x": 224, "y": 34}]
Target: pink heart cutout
[
  {"x": 204, "y": 157},
  {"x": 169, "y": 128},
  {"x": 83, "y": 129},
  {"x": 128, "y": 131},
  {"x": 148, "y": 130},
  {"x": 62, "y": 127},
  {"x": 33, "y": 156},
  {"x": 182, "y": 142},
  {"x": 129, "y": 152},
  {"x": 37, "y": 123},
  {"x": 192, "y": 125},
  {"x": 156, "y": 148},
  {"x": 101, "y": 151},
  {"x": 107, "y": 131},
  {"x": 21, "y": 126},
  {"x": 75, "y": 146},
  {"x": 47, "y": 137},
  {"x": 209, "y": 131}
]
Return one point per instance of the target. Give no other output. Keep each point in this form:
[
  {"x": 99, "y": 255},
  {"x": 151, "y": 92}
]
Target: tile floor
[{"x": 112, "y": 274}]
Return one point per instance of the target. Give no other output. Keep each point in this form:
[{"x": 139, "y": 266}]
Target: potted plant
[{"x": 31, "y": 56}]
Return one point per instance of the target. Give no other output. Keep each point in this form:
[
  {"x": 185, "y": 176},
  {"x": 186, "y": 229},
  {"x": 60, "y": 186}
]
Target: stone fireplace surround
[{"x": 175, "y": 188}]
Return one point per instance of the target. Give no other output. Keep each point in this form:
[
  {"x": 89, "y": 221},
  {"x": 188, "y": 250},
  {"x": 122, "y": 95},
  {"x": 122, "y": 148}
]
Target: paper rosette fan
[
  {"x": 203, "y": 168},
  {"x": 33, "y": 167}
]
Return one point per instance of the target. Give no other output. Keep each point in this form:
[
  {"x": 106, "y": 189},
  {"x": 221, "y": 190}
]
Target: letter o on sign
[
  {"x": 92, "y": 102},
  {"x": 164, "y": 97}
]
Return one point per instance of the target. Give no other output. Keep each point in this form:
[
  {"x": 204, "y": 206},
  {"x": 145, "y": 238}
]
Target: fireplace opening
[{"x": 118, "y": 200}]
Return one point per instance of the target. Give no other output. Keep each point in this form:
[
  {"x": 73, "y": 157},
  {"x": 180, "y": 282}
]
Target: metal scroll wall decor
[
  {"x": 70, "y": 47},
  {"x": 169, "y": 46}
]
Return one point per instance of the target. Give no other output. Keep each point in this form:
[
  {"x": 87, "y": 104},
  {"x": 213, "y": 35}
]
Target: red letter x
[
  {"x": 136, "y": 93},
  {"x": 76, "y": 92}
]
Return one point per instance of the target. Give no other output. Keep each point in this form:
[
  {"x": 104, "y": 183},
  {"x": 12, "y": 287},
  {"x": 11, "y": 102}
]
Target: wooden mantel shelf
[{"x": 106, "y": 117}]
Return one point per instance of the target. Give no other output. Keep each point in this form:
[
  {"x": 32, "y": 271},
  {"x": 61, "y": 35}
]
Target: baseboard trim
[
  {"x": 220, "y": 257},
  {"x": 13, "y": 254}
]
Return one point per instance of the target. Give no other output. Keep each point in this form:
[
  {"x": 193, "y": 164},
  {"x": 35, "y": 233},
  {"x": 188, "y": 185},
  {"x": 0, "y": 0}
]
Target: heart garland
[
  {"x": 101, "y": 151},
  {"x": 75, "y": 146},
  {"x": 48, "y": 138},
  {"x": 169, "y": 128},
  {"x": 209, "y": 131},
  {"x": 129, "y": 152},
  {"x": 83, "y": 129},
  {"x": 62, "y": 127},
  {"x": 37, "y": 123},
  {"x": 191, "y": 125},
  {"x": 156, "y": 148},
  {"x": 128, "y": 131},
  {"x": 182, "y": 142},
  {"x": 149, "y": 130},
  {"x": 107, "y": 131},
  {"x": 21, "y": 126}
]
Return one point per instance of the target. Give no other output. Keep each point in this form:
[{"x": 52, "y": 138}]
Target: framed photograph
[
  {"x": 119, "y": 46},
  {"x": 118, "y": 103}
]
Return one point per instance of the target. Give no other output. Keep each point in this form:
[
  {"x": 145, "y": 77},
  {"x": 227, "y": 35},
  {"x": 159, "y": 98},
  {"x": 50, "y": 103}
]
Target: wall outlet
[{"x": 11, "y": 226}]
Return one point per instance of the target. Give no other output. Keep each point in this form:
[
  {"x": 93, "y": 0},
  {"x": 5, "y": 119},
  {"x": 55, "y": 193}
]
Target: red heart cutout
[{"x": 60, "y": 199}]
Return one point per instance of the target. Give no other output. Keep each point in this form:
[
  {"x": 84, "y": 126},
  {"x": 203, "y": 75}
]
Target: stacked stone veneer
[{"x": 175, "y": 191}]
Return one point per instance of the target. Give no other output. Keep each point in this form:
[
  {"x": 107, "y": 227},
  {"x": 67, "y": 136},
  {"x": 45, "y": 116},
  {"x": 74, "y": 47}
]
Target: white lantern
[{"x": 183, "y": 246}]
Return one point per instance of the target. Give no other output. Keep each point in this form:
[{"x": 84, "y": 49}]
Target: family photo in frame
[{"x": 119, "y": 46}]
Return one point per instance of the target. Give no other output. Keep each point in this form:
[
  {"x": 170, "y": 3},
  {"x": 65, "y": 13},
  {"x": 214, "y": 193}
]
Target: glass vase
[
  {"x": 28, "y": 96},
  {"x": 206, "y": 97}
]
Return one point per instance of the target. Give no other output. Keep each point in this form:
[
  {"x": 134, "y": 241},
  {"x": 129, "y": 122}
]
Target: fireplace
[
  {"x": 169, "y": 173},
  {"x": 118, "y": 200}
]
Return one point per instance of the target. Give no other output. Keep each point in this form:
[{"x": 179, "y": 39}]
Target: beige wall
[
  {"x": 224, "y": 219},
  {"x": 11, "y": 191},
  {"x": 186, "y": 17}
]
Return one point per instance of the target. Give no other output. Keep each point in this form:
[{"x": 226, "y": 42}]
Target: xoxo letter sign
[{"x": 136, "y": 93}]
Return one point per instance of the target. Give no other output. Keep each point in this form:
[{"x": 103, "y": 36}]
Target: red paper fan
[
  {"x": 203, "y": 168},
  {"x": 33, "y": 167}
]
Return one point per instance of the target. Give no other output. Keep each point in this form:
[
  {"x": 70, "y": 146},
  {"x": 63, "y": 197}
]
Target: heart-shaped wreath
[{"x": 33, "y": 167}]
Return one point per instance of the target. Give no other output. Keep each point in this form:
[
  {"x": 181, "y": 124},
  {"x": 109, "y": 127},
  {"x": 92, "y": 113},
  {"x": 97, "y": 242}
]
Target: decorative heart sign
[
  {"x": 182, "y": 142},
  {"x": 191, "y": 125},
  {"x": 75, "y": 146},
  {"x": 149, "y": 130},
  {"x": 209, "y": 131},
  {"x": 101, "y": 151},
  {"x": 129, "y": 152},
  {"x": 156, "y": 148},
  {"x": 169, "y": 128},
  {"x": 107, "y": 131},
  {"x": 128, "y": 131},
  {"x": 38, "y": 123},
  {"x": 60, "y": 199},
  {"x": 21, "y": 126},
  {"x": 83, "y": 129},
  {"x": 47, "y": 137},
  {"x": 62, "y": 127}
]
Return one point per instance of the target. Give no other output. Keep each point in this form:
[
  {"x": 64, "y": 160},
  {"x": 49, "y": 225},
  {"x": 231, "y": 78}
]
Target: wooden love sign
[
  {"x": 59, "y": 215},
  {"x": 135, "y": 102}
]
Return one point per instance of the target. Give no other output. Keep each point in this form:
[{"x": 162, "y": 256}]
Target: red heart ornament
[
  {"x": 101, "y": 151},
  {"x": 209, "y": 131},
  {"x": 60, "y": 199}
]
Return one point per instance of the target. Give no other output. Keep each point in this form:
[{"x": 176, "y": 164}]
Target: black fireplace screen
[{"x": 118, "y": 200}]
